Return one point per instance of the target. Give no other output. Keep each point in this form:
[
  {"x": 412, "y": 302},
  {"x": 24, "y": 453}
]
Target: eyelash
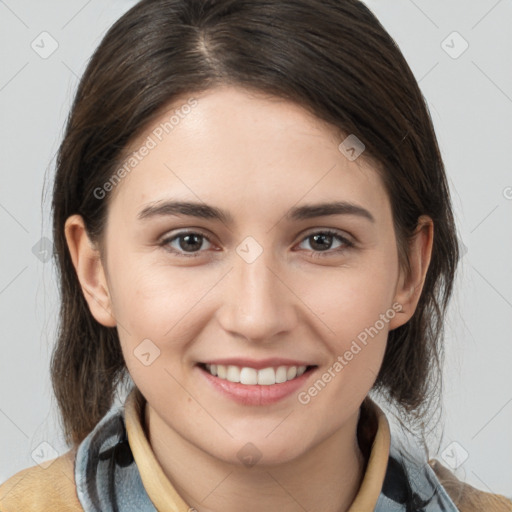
[{"x": 315, "y": 254}]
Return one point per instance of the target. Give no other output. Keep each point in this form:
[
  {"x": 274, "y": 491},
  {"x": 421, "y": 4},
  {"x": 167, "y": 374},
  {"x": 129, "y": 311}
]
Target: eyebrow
[{"x": 205, "y": 211}]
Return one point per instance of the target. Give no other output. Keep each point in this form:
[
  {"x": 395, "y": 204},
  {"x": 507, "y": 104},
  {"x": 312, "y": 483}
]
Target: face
[{"x": 255, "y": 280}]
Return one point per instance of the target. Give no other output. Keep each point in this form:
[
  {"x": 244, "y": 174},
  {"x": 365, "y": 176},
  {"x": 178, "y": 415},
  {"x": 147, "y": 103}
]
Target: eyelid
[
  {"x": 334, "y": 231},
  {"x": 346, "y": 240},
  {"x": 346, "y": 243},
  {"x": 312, "y": 231},
  {"x": 169, "y": 235}
]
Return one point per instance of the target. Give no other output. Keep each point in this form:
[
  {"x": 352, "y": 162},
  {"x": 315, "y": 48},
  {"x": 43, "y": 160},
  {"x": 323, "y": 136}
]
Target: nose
[{"x": 258, "y": 304}]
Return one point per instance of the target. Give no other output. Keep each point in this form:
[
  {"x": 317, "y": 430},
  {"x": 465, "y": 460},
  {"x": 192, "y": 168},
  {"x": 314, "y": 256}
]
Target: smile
[{"x": 251, "y": 376}]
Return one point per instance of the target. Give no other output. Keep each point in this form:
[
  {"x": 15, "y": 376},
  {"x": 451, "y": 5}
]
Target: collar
[{"x": 160, "y": 490}]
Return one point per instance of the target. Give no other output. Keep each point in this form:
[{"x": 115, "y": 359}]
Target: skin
[{"x": 256, "y": 157}]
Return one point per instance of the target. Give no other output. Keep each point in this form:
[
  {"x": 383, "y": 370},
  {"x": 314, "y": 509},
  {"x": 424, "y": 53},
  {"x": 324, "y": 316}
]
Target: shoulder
[
  {"x": 411, "y": 483},
  {"x": 38, "y": 489},
  {"x": 466, "y": 497}
]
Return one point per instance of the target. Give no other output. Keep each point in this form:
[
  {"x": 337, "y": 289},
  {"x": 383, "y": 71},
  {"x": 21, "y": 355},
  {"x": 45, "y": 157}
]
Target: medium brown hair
[{"x": 333, "y": 58}]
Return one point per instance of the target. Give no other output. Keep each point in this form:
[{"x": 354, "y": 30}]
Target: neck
[{"x": 324, "y": 479}]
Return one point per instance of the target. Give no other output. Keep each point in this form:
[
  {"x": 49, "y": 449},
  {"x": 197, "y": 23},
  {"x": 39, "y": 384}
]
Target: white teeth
[
  {"x": 281, "y": 374},
  {"x": 251, "y": 376},
  {"x": 233, "y": 374},
  {"x": 221, "y": 371},
  {"x": 248, "y": 376},
  {"x": 266, "y": 376},
  {"x": 291, "y": 373}
]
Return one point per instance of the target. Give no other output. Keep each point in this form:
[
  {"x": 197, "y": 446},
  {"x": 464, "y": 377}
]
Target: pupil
[
  {"x": 323, "y": 237},
  {"x": 187, "y": 244}
]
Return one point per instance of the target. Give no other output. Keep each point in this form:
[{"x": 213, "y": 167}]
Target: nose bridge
[{"x": 258, "y": 305}]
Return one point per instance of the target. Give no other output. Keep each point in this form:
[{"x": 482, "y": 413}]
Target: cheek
[
  {"x": 353, "y": 299},
  {"x": 158, "y": 315},
  {"x": 363, "y": 313},
  {"x": 356, "y": 306},
  {"x": 149, "y": 298},
  {"x": 360, "y": 322}
]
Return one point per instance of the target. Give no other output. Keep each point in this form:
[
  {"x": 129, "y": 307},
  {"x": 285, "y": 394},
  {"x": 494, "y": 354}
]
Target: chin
[{"x": 251, "y": 452}]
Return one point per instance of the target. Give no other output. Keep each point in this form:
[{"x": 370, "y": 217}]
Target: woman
[{"x": 254, "y": 231}]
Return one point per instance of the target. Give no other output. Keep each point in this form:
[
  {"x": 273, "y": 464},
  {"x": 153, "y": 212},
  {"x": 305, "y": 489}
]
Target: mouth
[
  {"x": 249, "y": 376},
  {"x": 247, "y": 385}
]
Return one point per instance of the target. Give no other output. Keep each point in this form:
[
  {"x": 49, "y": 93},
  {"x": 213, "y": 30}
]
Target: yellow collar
[{"x": 166, "y": 499}]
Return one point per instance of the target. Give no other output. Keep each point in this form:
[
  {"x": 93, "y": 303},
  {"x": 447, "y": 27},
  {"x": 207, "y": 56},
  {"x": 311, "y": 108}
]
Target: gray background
[{"x": 470, "y": 98}]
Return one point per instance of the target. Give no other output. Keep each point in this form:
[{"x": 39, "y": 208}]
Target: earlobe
[
  {"x": 89, "y": 268},
  {"x": 410, "y": 284}
]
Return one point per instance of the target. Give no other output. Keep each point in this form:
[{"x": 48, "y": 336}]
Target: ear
[
  {"x": 410, "y": 284},
  {"x": 89, "y": 268}
]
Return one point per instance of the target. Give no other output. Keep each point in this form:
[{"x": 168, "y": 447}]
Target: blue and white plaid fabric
[{"x": 108, "y": 480}]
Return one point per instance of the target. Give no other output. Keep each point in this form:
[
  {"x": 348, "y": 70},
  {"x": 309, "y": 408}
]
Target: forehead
[{"x": 250, "y": 150}]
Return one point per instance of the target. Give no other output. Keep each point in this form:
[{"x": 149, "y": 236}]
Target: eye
[
  {"x": 323, "y": 240},
  {"x": 187, "y": 243}
]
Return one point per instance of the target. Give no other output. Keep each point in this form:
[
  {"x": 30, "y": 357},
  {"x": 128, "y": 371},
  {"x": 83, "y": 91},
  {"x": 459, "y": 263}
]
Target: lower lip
[{"x": 256, "y": 394}]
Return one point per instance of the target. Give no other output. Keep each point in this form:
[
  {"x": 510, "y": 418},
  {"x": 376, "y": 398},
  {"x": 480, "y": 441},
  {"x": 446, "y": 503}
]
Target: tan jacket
[{"x": 37, "y": 490}]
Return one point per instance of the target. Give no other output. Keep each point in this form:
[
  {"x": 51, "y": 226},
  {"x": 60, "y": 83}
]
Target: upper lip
[{"x": 258, "y": 364}]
